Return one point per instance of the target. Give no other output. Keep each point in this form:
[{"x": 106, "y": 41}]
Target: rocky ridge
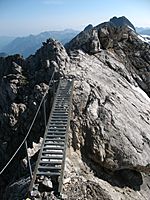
[{"x": 109, "y": 140}]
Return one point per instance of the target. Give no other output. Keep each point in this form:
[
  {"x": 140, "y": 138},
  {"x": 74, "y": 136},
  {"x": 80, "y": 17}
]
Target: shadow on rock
[
  {"x": 128, "y": 178},
  {"x": 120, "y": 178}
]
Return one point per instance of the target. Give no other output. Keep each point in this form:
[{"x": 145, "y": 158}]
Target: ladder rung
[
  {"x": 63, "y": 103},
  {"x": 48, "y": 173},
  {"x": 61, "y": 106},
  {"x": 56, "y": 129},
  {"x": 53, "y": 144},
  {"x": 49, "y": 167},
  {"x": 51, "y": 136},
  {"x": 60, "y": 157},
  {"x": 59, "y": 121},
  {"x": 53, "y": 131},
  {"x": 58, "y": 125},
  {"x": 53, "y": 151},
  {"x": 59, "y": 117},
  {"x": 62, "y": 97},
  {"x": 52, "y": 154},
  {"x": 60, "y": 111},
  {"x": 53, "y": 148},
  {"x": 54, "y": 138},
  {"x": 57, "y": 133},
  {"x": 62, "y": 115},
  {"x": 62, "y": 100},
  {"x": 66, "y": 89},
  {"x": 54, "y": 162},
  {"x": 49, "y": 140},
  {"x": 62, "y": 120},
  {"x": 50, "y": 164}
]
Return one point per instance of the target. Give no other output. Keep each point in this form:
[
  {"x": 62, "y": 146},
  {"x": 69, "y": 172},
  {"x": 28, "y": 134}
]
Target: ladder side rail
[{"x": 66, "y": 141}]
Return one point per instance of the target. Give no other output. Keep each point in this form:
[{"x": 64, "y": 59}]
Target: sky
[{"x": 24, "y": 17}]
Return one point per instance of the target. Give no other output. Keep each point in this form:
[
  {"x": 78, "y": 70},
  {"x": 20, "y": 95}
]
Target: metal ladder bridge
[{"x": 52, "y": 155}]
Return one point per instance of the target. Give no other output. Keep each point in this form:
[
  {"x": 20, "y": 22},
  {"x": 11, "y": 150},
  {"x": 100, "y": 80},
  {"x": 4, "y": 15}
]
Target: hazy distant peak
[
  {"x": 29, "y": 44},
  {"x": 143, "y": 31}
]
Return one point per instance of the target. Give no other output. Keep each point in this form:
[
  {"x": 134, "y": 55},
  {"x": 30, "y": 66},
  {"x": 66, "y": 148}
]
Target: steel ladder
[{"x": 52, "y": 155}]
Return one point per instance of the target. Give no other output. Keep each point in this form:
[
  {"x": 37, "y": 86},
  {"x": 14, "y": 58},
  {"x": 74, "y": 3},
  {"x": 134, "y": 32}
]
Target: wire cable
[{"x": 29, "y": 127}]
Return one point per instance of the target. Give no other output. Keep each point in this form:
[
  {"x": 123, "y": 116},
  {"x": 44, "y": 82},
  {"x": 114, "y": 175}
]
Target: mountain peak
[
  {"x": 88, "y": 27},
  {"x": 121, "y": 21}
]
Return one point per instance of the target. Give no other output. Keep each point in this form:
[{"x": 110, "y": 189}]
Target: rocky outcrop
[
  {"x": 87, "y": 41},
  {"x": 109, "y": 139},
  {"x": 22, "y": 86},
  {"x": 133, "y": 52}
]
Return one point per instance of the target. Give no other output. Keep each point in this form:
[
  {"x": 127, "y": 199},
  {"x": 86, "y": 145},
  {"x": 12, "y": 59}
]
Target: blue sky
[{"x": 23, "y": 17}]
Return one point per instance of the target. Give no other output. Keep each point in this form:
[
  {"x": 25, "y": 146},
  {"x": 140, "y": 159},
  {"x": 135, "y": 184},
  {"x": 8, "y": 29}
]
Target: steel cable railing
[{"x": 25, "y": 138}]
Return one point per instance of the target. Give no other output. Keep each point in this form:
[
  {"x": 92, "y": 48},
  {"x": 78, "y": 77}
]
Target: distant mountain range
[
  {"x": 28, "y": 45},
  {"x": 143, "y": 31},
  {"x": 2, "y": 54},
  {"x": 5, "y": 40}
]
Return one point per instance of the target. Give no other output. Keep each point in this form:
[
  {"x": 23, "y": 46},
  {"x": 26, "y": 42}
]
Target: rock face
[
  {"x": 105, "y": 122},
  {"x": 109, "y": 140}
]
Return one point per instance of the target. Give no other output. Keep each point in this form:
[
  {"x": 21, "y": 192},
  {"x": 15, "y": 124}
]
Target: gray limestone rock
[{"x": 115, "y": 133}]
